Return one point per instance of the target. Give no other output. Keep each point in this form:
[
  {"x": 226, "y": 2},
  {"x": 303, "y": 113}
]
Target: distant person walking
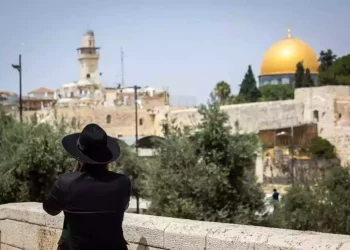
[
  {"x": 275, "y": 195},
  {"x": 92, "y": 198}
]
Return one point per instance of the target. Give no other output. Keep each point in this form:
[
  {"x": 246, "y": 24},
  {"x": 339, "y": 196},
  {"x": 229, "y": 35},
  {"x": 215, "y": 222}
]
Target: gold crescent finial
[{"x": 289, "y": 33}]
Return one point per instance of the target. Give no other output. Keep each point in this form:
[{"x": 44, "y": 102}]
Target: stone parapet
[{"x": 27, "y": 226}]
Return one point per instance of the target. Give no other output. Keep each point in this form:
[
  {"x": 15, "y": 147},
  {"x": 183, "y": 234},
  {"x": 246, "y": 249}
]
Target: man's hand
[{"x": 77, "y": 167}]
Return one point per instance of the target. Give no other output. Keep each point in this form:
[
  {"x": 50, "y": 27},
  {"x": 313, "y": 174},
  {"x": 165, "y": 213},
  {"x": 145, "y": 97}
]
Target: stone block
[
  {"x": 54, "y": 221},
  {"x": 187, "y": 234},
  {"x": 7, "y": 247},
  {"x": 146, "y": 230},
  {"x": 19, "y": 234},
  {"x": 30, "y": 212},
  {"x": 133, "y": 246},
  {"x": 48, "y": 238},
  {"x": 260, "y": 238}
]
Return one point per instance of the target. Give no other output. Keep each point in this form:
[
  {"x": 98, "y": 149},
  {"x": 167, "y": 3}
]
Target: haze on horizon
[{"x": 187, "y": 46}]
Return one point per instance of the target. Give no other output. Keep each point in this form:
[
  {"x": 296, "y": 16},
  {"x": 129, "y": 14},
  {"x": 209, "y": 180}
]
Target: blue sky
[{"x": 187, "y": 46}]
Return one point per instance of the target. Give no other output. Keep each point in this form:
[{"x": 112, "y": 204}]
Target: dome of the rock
[{"x": 279, "y": 62}]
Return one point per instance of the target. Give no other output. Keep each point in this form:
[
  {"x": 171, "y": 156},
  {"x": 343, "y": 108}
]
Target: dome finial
[{"x": 289, "y": 35}]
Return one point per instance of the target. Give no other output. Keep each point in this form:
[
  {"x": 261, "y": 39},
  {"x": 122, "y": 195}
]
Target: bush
[
  {"x": 208, "y": 175},
  {"x": 31, "y": 159},
  {"x": 321, "y": 148},
  {"x": 323, "y": 207}
]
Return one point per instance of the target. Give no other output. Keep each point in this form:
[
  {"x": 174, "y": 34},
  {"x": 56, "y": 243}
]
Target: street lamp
[
  {"x": 19, "y": 68},
  {"x": 135, "y": 87}
]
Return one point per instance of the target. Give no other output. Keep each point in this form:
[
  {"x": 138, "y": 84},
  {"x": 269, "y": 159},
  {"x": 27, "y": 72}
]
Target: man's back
[{"x": 93, "y": 201}]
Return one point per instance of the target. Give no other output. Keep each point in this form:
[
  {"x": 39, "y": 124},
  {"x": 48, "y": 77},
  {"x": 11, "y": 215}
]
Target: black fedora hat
[{"x": 92, "y": 146}]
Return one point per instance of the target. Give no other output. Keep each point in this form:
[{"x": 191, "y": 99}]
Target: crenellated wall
[{"x": 27, "y": 226}]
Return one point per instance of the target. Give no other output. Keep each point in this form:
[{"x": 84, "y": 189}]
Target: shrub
[
  {"x": 31, "y": 159},
  {"x": 323, "y": 207},
  {"x": 208, "y": 175},
  {"x": 321, "y": 148}
]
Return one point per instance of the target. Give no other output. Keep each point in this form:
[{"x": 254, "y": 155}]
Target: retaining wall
[{"x": 27, "y": 226}]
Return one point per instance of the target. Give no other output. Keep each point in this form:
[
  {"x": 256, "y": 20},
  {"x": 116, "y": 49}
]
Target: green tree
[
  {"x": 323, "y": 206},
  {"x": 208, "y": 174},
  {"x": 307, "y": 79},
  {"x": 248, "y": 89},
  {"x": 31, "y": 157},
  {"x": 322, "y": 148},
  {"x": 338, "y": 73},
  {"x": 274, "y": 92},
  {"x": 299, "y": 75},
  {"x": 326, "y": 60},
  {"x": 222, "y": 93}
]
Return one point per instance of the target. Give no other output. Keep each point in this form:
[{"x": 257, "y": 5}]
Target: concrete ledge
[{"x": 27, "y": 226}]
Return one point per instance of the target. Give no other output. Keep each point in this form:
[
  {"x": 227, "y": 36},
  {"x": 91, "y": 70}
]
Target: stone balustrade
[{"x": 27, "y": 226}]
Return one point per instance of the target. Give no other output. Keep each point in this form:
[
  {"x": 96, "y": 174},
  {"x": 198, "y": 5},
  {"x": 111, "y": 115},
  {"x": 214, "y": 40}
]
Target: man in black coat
[{"x": 92, "y": 198}]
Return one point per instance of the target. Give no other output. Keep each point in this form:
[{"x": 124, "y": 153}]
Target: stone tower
[{"x": 88, "y": 56}]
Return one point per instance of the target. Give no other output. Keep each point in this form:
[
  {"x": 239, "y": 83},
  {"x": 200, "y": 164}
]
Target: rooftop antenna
[{"x": 122, "y": 66}]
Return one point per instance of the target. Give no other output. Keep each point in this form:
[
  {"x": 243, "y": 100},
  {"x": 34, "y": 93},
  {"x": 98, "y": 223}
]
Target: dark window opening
[
  {"x": 141, "y": 121},
  {"x": 108, "y": 119},
  {"x": 88, "y": 76},
  {"x": 316, "y": 116}
]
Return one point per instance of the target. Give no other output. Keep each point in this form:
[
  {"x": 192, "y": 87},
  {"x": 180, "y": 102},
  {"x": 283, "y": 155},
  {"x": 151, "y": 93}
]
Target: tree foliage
[
  {"x": 206, "y": 173},
  {"x": 337, "y": 74},
  {"x": 31, "y": 157},
  {"x": 248, "y": 88},
  {"x": 322, "y": 148},
  {"x": 275, "y": 92},
  {"x": 222, "y": 93},
  {"x": 302, "y": 77},
  {"x": 323, "y": 207},
  {"x": 326, "y": 60}
]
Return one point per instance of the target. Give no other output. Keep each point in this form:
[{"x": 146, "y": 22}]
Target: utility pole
[
  {"x": 19, "y": 68},
  {"x": 122, "y": 66},
  {"x": 136, "y": 140},
  {"x": 135, "y": 87},
  {"x": 292, "y": 153}
]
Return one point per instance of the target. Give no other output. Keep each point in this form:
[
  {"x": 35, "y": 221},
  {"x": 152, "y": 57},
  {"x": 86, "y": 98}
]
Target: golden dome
[{"x": 283, "y": 56}]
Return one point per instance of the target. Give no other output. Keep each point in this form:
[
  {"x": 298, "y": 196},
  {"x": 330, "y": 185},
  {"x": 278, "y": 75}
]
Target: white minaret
[{"x": 88, "y": 56}]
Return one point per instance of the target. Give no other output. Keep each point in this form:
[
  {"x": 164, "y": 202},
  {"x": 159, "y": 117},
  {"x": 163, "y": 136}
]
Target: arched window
[
  {"x": 88, "y": 76},
  {"x": 108, "y": 119},
  {"x": 141, "y": 121},
  {"x": 315, "y": 115}
]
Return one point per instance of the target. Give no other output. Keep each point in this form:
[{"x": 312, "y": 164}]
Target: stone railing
[{"x": 27, "y": 226}]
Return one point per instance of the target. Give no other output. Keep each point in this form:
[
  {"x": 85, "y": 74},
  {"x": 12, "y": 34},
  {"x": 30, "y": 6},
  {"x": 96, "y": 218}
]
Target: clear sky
[{"x": 187, "y": 46}]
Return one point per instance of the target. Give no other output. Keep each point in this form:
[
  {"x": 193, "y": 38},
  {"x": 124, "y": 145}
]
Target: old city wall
[
  {"x": 320, "y": 103},
  {"x": 342, "y": 111},
  {"x": 251, "y": 117},
  {"x": 27, "y": 226},
  {"x": 328, "y": 107},
  {"x": 117, "y": 121}
]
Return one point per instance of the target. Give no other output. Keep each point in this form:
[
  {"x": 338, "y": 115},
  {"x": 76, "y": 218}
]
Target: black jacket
[{"x": 93, "y": 202}]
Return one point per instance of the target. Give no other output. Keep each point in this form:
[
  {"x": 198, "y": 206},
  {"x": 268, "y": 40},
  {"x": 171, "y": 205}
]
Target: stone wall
[
  {"x": 251, "y": 117},
  {"x": 26, "y": 226},
  {"x": 340, "y": 138}
]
